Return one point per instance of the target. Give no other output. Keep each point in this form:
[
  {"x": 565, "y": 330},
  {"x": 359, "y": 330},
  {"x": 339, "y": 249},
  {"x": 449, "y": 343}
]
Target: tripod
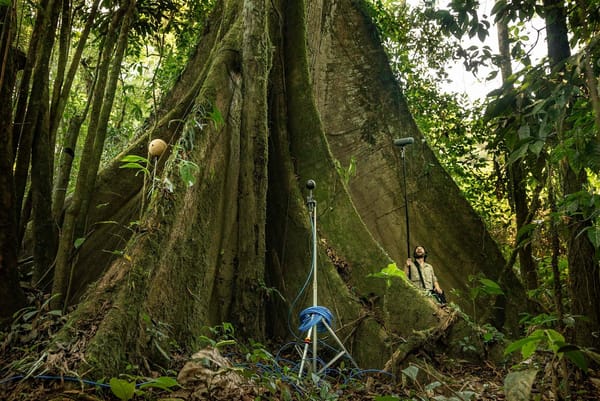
[{"x": 317, "y": 318}]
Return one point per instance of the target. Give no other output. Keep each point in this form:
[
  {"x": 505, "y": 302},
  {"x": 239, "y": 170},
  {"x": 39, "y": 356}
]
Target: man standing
[{"x": 421, "y": 274}]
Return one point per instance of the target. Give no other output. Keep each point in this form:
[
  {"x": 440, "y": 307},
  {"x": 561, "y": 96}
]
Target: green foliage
[
  {"x": 548, "y": 340},
  {"x": 123, "y": 389},
  {"x": 180, "y": 38},
  {"x": 188, "y": 171},
  {"x": 585, "y": 203},
  {"x": 418, "y": 49},
  {"x": 388, "y": 272},
  {"x": 484, "y": 334},
  {"x": 480, "y": 287},
  {"x": 219, "y": 336},
  {"x": 138, "y": 163},
  {"x": 165, "y": 383},
  {"x": 346, "y": 173},
  {"x": 127, "y": 389},
  {"x": 420, "y": 53}
]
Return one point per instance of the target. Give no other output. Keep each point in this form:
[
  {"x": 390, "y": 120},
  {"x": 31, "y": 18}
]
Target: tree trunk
[
  {"x": 45, "y": 229},
  {"x": 29, "y": 101},
  {"x": 104, "y": 92},
  {"x": 517, "y": 175},
  {"x": 64, "y": 41},
  {"x": 584, "y": 272},
  {"x": 12, "y": 297},
  {"x": 216, "y": 250},
  {"x": 363, "y": 110},
  {"x": 58, "y": 106}
]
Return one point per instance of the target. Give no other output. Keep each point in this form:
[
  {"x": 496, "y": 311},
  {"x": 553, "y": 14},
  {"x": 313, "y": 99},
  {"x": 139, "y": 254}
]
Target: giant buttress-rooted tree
[{"x": 275, "y": 94}]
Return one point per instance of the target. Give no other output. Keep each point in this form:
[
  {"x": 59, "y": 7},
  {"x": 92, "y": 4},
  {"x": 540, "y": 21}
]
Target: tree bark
[
  {"x": 29, "y": 101},
  {"x": 58, "y": 106},
  {"x": 584, "y": 272},
  {"x": 104, "y": 92},
  {"x": 12, "y": 297},
  {"x": 253, "y": 180},
  {"x": 363, "y": 110},
  {"x": 517, "y": 175},
  {"x": 193, "y": 262}
]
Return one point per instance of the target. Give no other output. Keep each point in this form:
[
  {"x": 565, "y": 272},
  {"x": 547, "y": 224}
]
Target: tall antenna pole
[
  {"x": 401, "y": 143},
  {"x": 312, "y": 209},
  {"x": 405, "y": 203}
]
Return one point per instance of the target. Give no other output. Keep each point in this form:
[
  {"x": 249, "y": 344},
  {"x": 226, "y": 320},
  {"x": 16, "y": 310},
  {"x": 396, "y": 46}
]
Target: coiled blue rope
[{"x": 315, "y": 315}]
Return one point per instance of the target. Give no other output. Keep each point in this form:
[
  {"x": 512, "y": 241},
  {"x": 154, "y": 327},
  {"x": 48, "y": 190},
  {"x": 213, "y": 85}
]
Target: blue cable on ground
[
  {"x": 315, "y": 315},
  {"x": 61, "y": 378}
]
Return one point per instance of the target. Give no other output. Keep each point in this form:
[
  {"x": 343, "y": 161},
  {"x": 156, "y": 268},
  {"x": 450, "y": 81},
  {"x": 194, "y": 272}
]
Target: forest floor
[
  {"x": 228, "y": 370},
  {"x": 210, "y": 376}
]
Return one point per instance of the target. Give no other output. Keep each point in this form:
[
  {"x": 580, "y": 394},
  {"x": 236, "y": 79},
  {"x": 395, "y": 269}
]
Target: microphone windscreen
[{"x": 404, "y": 141}]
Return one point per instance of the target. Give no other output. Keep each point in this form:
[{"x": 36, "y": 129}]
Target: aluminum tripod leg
[
  {"x": 305, "y": 352},
  {"x": 343, "y": 352},
  {"x": 340, "y": 354}
]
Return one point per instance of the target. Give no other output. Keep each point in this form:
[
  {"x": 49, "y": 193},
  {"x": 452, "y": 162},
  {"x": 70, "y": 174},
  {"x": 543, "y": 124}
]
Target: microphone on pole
[
  {"x": 404, "y": 141},
  {"x": 310, "y": 201},
  {"x": 401, "y": 143}
]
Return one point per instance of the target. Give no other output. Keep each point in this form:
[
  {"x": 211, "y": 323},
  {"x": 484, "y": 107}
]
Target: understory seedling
[{"x": 125, "y": 389}]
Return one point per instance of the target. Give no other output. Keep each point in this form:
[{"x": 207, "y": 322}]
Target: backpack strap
[{"x": 418, "y": 265}]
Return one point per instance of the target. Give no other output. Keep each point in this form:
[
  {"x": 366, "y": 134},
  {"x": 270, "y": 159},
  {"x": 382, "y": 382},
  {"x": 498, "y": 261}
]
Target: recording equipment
[
  {"x": 316, "y": 318},
  {"x": 404, "y": 141},
  {"x": 401, "y": 143}
]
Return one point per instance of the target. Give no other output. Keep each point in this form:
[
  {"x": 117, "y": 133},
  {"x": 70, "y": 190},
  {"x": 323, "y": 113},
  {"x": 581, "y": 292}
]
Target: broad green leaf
[
  {"x": 524, "y": 131},
  {"x": 491, "y": 287},
  {"x": 163, "y": 382},
  {"x": 78, "y": 242},
  {"x": 578, "y": 358},
  {"x": 134, "y": 159},
  {"x": 388, "y": 272},
  {"x": 555, "y": 339},
  {"x": 519, "y": 153},
  {"x": 123, "y": 389},
  {"x": 519, "y": 344},
  {"x": 131, "y": 165},
  {"x": 593, "y": 234},
  {"x": 530, "y": 347},
  {"x": 187, "y": 171},
  {"x": 536, "y": 147}
]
